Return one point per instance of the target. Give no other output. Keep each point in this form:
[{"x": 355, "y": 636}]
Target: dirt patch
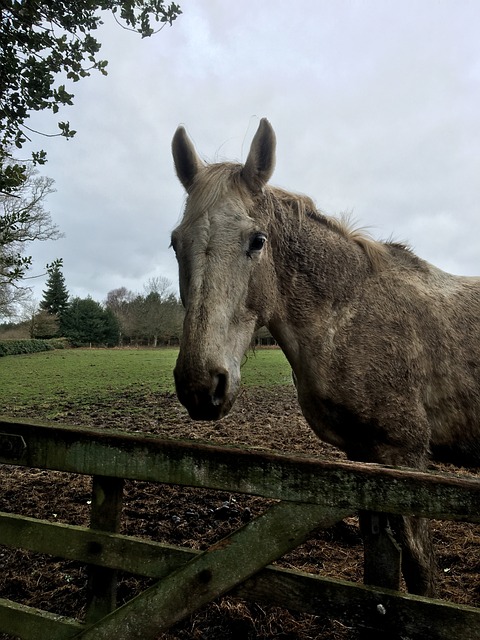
[{"x": 264, "y": 419}]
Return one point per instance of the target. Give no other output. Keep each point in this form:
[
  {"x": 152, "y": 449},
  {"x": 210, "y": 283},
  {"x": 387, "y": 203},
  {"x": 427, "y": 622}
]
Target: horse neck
[{"x": 318, "y": 272}]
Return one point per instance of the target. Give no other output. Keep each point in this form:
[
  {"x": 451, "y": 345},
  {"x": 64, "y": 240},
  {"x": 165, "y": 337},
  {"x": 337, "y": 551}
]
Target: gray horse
[{"x": 384, "y": 347}]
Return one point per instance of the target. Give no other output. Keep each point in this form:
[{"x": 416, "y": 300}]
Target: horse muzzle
[{"x": 207, "y": 397}]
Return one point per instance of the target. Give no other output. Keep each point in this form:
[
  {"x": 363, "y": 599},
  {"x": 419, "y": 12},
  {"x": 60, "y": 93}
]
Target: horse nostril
[{"x": 220, "y": 388}]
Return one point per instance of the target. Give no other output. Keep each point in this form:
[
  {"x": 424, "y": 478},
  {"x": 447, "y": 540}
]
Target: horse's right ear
[
  {"x": 187, "y": 162},
  {"x": 260, "y": 162}
]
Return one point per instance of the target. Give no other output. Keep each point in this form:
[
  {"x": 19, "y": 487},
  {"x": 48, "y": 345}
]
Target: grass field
[{"x": 92, "y": 375}]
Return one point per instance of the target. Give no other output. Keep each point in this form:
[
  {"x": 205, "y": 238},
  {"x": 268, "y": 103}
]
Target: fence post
[
  {"x": 105, "y": 515},
  {"x": 381, "y": 564},
  {"x": 382, "y": 553}
]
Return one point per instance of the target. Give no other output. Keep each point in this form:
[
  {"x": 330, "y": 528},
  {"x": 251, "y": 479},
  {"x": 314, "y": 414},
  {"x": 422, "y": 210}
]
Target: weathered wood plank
[
  {"x": 116, "y": 551},
  {"x": 211, "y": 574},
  {"x": 31, "y": 624},
  {"x": 353, "y": 604},
  {"x": 359, "y": 606},
  {"x": 298, "y": 479},
  {"x": 105, "y": 515}
]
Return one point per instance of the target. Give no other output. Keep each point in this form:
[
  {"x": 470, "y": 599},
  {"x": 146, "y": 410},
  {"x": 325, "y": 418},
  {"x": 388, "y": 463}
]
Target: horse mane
[
  {"x": 376, "y": 251},
  {"x": 219, "y": 179}
]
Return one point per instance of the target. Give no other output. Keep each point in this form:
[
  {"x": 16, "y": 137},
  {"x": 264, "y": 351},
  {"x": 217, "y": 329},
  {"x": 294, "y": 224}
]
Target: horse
[{"x": 384, "y": 347}]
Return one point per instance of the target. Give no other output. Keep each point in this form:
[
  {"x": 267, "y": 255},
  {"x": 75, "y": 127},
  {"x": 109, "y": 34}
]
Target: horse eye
[{"x": 257, "y": 243}]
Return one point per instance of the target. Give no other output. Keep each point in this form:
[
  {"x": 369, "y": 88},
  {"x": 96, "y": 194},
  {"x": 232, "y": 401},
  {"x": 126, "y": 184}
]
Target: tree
[
  {"x": 156, "y": 317},
  {"x": 44, "y": 325},
  {"x": 119, "y": 303},
  {"x": 23, "y": 219},
  {"x": 41, "y": 42},
  {"x": 173, "y": 315},
  {"x": 55, "y": 296},
  {"x": 111, "y": 330},
  {"x": 163, "y": 313},
  {"x": 10, "y": 298},
  {"x": 153, "y": 307},
  {"x": 84, "y": 321}
]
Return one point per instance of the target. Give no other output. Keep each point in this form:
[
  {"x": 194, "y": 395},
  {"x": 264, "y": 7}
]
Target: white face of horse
[{"x": 221, "y": 252}]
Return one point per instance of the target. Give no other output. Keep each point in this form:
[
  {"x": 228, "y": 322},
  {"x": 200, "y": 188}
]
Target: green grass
[
  {"x": 266, "y": 367},
  {"x": 97, "y": 375}
]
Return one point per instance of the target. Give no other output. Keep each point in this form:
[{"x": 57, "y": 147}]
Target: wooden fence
[{"x": 309, "y": 494}]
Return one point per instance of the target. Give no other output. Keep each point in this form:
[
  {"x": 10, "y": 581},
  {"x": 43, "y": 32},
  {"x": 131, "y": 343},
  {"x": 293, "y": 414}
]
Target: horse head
[{"x": 223, "y": 257}]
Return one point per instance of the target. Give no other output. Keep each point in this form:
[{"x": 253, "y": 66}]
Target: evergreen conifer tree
[
  {"x": 86, "y": 322},
  {"x": 55, "y": 296}
]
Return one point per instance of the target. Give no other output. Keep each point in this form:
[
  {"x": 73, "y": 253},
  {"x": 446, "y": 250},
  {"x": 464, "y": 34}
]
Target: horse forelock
[{"x": 212, "y": 184}]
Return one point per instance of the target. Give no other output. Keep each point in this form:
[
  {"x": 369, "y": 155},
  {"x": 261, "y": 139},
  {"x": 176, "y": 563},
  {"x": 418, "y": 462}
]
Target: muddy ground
[{"x": 263, "y": 418}]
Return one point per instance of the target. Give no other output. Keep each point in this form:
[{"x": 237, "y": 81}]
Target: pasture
[
  {"x": 49, "y": 384},
  {"x": 132, "y": 390}
]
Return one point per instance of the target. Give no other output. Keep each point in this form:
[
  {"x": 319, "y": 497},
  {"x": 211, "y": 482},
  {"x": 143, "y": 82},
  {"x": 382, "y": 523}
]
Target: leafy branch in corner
[{"x": 41, "y": 41}]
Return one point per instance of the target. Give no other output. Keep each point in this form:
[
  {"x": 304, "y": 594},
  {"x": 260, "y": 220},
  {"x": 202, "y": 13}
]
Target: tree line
[{"x": 126, "y": 318}]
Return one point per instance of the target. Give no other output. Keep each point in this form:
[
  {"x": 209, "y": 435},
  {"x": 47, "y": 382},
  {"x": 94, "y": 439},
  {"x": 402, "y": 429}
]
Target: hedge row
[{"x": 16, "y": 347}]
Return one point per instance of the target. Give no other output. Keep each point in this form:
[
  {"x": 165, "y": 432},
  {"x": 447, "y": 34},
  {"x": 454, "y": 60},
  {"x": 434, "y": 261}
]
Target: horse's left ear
[
  {"x": 260, "y": 162},
  {"x": 187, "y": 162}
]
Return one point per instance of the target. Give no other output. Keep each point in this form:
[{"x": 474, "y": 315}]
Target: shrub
[{"x": 17, "y": 347}]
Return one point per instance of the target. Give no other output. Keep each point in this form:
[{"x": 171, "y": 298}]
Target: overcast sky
[{"x": 375, "y": 103}]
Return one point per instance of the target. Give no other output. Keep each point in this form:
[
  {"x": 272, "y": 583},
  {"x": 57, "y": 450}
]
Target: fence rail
[{"x": 311, "y": 493}]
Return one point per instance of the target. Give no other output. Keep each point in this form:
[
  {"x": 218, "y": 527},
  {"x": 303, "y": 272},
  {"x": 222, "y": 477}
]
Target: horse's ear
[
  {"x": 260, "y": 162},
  {"x": 187, "y": 162}
]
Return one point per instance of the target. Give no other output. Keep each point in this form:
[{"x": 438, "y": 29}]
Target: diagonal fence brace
[{"x": 223, "y": 566}]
